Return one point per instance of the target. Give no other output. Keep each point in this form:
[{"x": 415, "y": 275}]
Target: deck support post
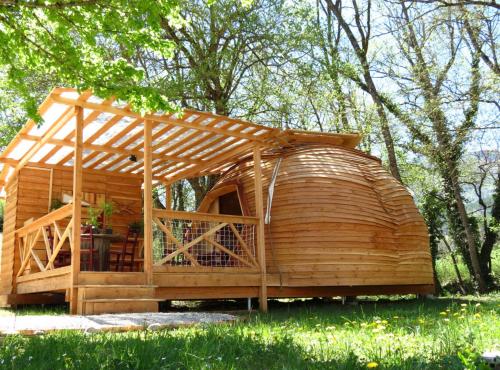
[
  {"x": 77, "y": 208},
  {"x": 148, "y": 202},
  {"x": 261, "y": 240}
]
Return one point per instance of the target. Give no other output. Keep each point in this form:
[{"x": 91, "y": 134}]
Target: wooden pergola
[{"x": 87, "y": 134}]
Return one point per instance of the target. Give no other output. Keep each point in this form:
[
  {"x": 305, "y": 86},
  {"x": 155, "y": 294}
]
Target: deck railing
[
  {"x": 52, "y": 231},
  {"x": 204, "y": 240}
]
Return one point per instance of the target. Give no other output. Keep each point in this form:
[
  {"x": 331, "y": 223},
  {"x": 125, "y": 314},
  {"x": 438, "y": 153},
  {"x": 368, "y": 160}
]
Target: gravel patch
[{"x": 39, "y": 324}]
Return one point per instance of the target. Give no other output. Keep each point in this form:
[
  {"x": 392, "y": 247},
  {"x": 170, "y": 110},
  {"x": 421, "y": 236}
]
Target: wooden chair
[
  {"x": 139, "y": 259},
  {"x": 87, "y": 248},
  {"x": 127, "y": 254},
  {"x": 64, "y": 256}
]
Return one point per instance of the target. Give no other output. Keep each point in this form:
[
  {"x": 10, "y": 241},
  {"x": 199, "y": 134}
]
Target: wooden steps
[{"x": 96, "y": 299}]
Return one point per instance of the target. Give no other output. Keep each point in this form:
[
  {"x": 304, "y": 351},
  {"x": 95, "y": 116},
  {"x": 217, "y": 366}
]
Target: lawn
[{"x": 405, "y": 334}]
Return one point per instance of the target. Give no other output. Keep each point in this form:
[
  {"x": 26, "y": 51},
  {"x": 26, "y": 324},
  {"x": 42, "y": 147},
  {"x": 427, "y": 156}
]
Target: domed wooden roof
[{"x": 337, "y": 217}]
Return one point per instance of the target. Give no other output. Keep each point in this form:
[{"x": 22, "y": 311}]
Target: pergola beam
[
  {"x": 106, "y": 149},
  {"x": 192, "y": 172},
  {"x": 13, "y": 162},
  {"x": 165, "y": 118},
  {"x": 62, "y": 120}
]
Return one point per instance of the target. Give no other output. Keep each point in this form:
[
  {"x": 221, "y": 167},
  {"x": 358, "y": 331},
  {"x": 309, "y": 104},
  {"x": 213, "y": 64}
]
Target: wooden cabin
[
  {"x": 294, "y": 214},
  {"x": 336, "y": 222}
]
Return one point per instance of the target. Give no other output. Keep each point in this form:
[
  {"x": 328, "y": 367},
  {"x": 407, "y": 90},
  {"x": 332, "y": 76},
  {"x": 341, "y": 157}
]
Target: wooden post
[
  {"x": 261, "y": 240},
  {"x": 148, "y": 202},
  {"x": 51, "y": 185},
  {"x": 168, "y": 196},
  {"x": 77, "y": 208}
]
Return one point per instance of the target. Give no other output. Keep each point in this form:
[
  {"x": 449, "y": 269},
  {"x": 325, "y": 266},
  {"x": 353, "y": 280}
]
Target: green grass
[{"x": 405, "y": 334}]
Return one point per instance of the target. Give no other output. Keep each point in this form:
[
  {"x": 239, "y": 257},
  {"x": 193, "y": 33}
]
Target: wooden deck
[
  {"x": 202, "y": 256},
  {"x": 104, "y": 292}
]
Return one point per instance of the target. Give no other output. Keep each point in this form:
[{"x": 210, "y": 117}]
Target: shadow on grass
[
  {"x": 25, "y": 310},
  {"x": 256, "y": 343},
  {"x": 215, "y": 348}
]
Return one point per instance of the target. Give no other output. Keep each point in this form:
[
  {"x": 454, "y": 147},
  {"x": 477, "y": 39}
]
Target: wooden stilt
[
  {"x": 261, "y": 241},
  {"x": 77, "y": 208}
]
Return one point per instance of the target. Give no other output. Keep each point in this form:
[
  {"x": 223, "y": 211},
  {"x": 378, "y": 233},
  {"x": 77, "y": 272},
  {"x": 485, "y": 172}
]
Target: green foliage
[
  {"x": 87, "y": 45},
  {"x": 137, "y": 226},
  {"x": 93, "y": 217},
  {"x": 107, "y": 209},
  {"x": 433, "y": 209},
  {"x": 407, "y": 334},
  {"x": 447, "y": 275},
  {"x": 56, "y": 204}
]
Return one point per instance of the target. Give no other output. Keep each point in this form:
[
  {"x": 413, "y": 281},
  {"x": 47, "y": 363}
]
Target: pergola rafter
[{"x": 186, "y": 144}]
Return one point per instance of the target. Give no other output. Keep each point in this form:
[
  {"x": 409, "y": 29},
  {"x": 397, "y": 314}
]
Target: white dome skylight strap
[{"x": 267, "y": 219}]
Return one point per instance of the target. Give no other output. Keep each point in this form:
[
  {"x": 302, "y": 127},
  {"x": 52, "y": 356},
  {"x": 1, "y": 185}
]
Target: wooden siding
[
  {"x": 7, "y": 252},
  {"x": 338, "y": 218}
]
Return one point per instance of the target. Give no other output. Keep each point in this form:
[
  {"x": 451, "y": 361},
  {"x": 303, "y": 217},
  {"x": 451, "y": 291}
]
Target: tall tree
[
  {"x": 216, "y": 48},
  {"x": 359, "y": 36},
  {"x": 428, "y": 70}
]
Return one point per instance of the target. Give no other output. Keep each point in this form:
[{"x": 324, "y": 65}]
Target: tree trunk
[
  {"x": 490, "y": 237},
  {"x": 178, "y": 196},
  {"x": 471, "y": 240},
  {"x": 461, "y": 284},
  {"x": 361, "y": 50},
  {"x": 201, "y": 186},
  {"x": 388, "y": 140}
]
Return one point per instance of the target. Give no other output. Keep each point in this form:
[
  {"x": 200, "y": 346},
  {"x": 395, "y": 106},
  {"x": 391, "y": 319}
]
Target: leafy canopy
[{"x": 85, "y": 44}]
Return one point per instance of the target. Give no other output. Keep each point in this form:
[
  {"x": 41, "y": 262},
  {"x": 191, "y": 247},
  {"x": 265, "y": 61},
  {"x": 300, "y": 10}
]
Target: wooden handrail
[
  {"x": 56, "y": 215},
  {"x": 199, "y": 216}
]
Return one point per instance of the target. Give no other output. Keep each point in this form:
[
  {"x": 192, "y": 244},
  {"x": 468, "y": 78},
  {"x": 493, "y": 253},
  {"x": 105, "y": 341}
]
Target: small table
[{"x": 102, "y": 242}]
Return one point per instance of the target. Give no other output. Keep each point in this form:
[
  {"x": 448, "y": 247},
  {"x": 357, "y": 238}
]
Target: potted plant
[
  {"x": 107, "y": 210},
  {"x": 93, "y": 217},
  {"x": 56, "y": 204},
  {"x": 136, "y": 226}
]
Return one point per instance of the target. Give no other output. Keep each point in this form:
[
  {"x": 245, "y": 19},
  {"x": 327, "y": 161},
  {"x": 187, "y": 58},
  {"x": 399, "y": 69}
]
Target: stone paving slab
[{"x": 39, "y": 324}]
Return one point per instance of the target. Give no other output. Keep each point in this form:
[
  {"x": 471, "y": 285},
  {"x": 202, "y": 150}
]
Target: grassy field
[
  {"x": 447, "y": 333},
  {"x": 404, "y": 334}
]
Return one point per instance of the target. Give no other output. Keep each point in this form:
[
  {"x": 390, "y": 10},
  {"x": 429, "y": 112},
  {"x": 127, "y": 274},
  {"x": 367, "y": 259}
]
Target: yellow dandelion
[
  {"x": 421, "y": 321},
  {"x": 448, "y": 310},
  {"x": 464, "y": 305},
  {"x": 372, "y": 365},
  {"x": 455, "y": 314},
  {"x": 463, "y": 310},
  {"x": 443, "y": 313},
  {"x": 384, "y": 322},
  {"x": 446, "y": 319},
  {"x": 477, "y": 315},
  {"x": 478, "y": 304},
  {"x": 395, "y": 317}
]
